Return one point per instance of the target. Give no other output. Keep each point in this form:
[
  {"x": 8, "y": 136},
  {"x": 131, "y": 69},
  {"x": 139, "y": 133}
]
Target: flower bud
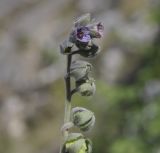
[
  {"x": 87, "y": 88},
  {"x": 66, "y": 47},
  {"x": 83, "y": 118},
  {"x": 91, "y": 51},
  {"x": 83, "y": 20},
  {"x": 80, "y": 69},
  {"x": 76, "y": 143}
]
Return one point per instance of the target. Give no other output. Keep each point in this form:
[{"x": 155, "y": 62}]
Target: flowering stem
[
  {"x": 68, "y": 95},
  {"x": 67, "y": 79}
]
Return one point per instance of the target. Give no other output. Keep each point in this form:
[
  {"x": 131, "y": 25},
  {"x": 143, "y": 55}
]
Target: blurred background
[{"x": 127, "y": 74}]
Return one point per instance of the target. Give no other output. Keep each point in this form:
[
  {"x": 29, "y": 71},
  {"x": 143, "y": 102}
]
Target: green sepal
[
  {"x": 66, "y": 47},
  {"x": 77, "y": 143},
  {"x": 83, "y": 118},
  {"x": 80, "y": 69},
  {"x": 87, "y": 88},
  {"x": 83, "y": 20},
  {"x": 90, "y": 52}
]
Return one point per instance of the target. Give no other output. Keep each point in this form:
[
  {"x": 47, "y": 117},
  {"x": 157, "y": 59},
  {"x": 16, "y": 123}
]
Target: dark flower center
[{"x": 82, "y": 32}]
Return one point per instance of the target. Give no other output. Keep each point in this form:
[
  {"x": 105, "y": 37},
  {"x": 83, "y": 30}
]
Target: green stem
[{"x": 67, "y": 115}]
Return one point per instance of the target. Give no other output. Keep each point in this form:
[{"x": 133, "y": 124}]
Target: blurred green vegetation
[
  {"x": 48, "y": 56},
  {"x": 129, "y": 122}
]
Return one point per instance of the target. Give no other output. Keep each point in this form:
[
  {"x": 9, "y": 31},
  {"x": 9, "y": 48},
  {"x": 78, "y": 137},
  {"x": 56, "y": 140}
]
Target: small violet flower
[
  {"x": 83, "y": 34},
  {"x": 84, "y": 31},
  {"x": 96, "y": 31}
]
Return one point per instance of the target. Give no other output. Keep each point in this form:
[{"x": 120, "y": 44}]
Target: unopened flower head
[
  {"x": 77, "y": 143},
  {"x": 83, "y": 118},
  {"x": 87, "y": 88},
  {"x": 80, "y": 69}
]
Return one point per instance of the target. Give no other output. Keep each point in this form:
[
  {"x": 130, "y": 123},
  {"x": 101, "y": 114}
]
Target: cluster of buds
[
  {"x": 82, "y": 36},
  {"x": 81, "y": 41}
]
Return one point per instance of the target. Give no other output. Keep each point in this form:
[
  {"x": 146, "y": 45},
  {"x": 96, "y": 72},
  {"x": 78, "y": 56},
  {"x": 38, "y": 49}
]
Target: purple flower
[
  {"x": 96, "y": 31},
  {"x": 100, "y": 29},
  {"x": 83, "y": 34},
  {"x": 84, "y": 31}
]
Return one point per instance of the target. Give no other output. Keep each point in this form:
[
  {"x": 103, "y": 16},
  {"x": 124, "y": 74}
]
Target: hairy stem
[
  {"x": 67, "y": 114},
  {"x": 67, "y": 79}
]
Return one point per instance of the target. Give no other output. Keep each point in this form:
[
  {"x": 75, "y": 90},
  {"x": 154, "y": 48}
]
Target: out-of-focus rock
[{"x": 13, "y": 117}]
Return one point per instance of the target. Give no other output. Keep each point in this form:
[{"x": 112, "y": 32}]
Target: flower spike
[{"x": 80, "y": 41}]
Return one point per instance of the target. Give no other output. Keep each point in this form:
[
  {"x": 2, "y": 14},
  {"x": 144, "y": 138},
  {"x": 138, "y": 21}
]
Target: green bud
[
  {"x": 83, "y": 20},
  {"x": 66, "y": 47},
  {"x": 88, "y": 88},
  {"x": 91, "y": 51},
  {"x": 83, "y": 118},
  {"x": 80, "y": 69},
  {"x": 76, "y": 143}
]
